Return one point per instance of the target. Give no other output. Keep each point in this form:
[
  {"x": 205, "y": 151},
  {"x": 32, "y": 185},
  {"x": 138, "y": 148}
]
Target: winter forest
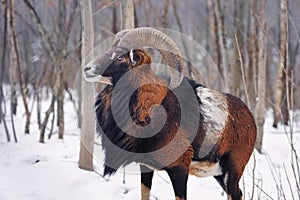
[{"x": 49, "y": 146}]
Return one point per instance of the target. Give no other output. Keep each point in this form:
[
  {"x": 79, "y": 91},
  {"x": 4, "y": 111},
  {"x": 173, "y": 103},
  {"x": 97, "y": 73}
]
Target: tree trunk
[
  {"x": 239, "y": 31},
  {"x": 165, "y": 18},
  {"x": 60, "y": 69},
  {"x": 222, "y": 43},
  {"x": 191, "y": 71},
  {"x": 281, "y": 100},
  {"x": 253, "y": 55},
  {"x": 114, "y": 18},
  {"x": 2, "y": 67},
  {"x": 127, "y": 14},
  {"x": 45, "y": 122},
  {"x": 2, "y": 102},
  {"x": 261, "y": 81},
  {"x": 88, "y": 114},
  {"x": 38, "y": 107},
  {"x": 14, "y": 46},
  {"x": 214, "y": 39}
]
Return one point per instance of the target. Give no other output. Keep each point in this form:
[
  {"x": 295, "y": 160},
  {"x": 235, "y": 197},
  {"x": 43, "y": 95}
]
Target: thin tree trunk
[
  {"x": 12, "y": 70},
  {"x": 214, "y": 41},
  {"x": 38, "y": 82},
  {"x": 88, "y": 114},
  {"x": 80, "y": 79},
  {"x": 52, "y": 125},
  {"x": 2, "y": 102},
  {"x": 5, "y": 127},
  {"x": 13, "y": 127},
  {"x": 127, "y": 14},
  {"x": 222, "y": 42},
  {"x": 192, "y": 72},
  {"x": 38, "y": 107},
  {"x": 165, "y": 17},
  {"x": 281, "y": 100},
  {"x": 213, "y": 30},
  {"x": 2, "y": 67},
  {"x": 239, "y": 31},
  {"x": 114, "y": 18},
  {"x": 62, "y": 50},
  {"x": 19, "y": 67},
  {"x": 45, "y": 122},
  {"x": 262, "y": 61},
  {"x": 135, "y": 18},
  {"x": 253, "y": 55}
]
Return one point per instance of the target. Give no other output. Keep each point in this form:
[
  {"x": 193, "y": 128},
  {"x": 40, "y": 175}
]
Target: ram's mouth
[{"x": 97, "y": 78}]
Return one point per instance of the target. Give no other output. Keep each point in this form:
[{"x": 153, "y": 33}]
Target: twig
[
  {"x": 288, "y": 180},
  {"x": 106, "y": 179},
  {"x": 242, "y": 69},
  {"x": 166, "y": 181},
  {"x": 253, "y": 175},
  {"x": 257, "y": 186}
]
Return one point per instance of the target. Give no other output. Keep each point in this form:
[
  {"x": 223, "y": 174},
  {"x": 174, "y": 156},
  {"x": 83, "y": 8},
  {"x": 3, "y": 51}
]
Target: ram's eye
[{"x": 120, "y": 58}]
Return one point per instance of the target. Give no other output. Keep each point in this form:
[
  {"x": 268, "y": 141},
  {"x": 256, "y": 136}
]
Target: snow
[{"x": 30, "y": 170}]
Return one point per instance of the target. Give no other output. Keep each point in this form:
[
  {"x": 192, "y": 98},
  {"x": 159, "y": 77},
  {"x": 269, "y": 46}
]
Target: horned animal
[{"x": 204, "y": 133}]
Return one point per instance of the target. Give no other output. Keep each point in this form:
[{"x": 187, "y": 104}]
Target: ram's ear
[{"x": 134, "y": 57}]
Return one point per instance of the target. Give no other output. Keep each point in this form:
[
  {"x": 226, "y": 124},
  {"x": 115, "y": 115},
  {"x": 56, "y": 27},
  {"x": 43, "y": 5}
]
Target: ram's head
[{"x": 127, "y": 53}]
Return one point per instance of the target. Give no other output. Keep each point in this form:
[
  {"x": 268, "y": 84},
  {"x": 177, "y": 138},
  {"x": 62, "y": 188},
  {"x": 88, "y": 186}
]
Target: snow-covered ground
[{"x": 30, "y": 170}]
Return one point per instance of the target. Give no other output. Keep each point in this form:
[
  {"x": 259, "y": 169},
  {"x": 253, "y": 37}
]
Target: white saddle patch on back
[{"x": 215, "y": 113}]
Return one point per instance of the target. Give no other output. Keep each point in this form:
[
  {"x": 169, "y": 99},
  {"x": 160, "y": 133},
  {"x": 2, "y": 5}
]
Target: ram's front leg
[
  {"x": 146, "y": 182},
  {"x": 179, "y": 172},
  {"x": 179, "y": 177}
]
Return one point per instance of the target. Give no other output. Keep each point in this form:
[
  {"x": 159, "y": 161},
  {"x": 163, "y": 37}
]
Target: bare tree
[
  {"x": 88, "y": 118},
  {"x": 58, "y": 54},
  {"x": 49, "y": 48},
  {"x": 16, "y": 57},
  {"x": 261, "y": 80},
  {"x": 281, "y": 99}
]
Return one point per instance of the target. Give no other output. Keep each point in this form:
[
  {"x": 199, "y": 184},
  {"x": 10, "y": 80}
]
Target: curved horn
[
  {"x": 119, "y": 35},
  {"x": 149, "y": 37}
]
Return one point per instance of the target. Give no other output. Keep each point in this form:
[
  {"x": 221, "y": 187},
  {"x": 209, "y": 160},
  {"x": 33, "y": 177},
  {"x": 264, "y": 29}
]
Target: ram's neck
[{"x": 152, "y": 92}]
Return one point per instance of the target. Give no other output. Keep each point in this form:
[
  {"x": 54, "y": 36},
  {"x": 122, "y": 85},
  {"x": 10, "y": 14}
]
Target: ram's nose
[
  {"x": 87, "y": 68},
  {"x": 90, "y": 68},
  {"x": 89, "y": 73}
]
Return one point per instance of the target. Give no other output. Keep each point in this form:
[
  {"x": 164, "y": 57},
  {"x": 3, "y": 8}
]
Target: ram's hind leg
[
  {"x": 146, "y": 182},
  {"x": 230, "y": 184}
]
